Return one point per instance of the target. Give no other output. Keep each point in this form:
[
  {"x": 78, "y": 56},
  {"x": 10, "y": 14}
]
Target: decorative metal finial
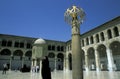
[{"x": 74, "y": 13}]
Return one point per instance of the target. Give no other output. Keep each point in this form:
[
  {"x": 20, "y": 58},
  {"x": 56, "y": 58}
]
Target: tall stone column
[
  {"x": 67, "y": 63},
  {"x": 110, "y": 59},
  {"x": 86, "y": 61},
  {"x": 64, "y": 68},
  {"x": 97, "y": 60},
  {"x": 64, "y": 64},
  {"x": 40, "y": 68},
  {"x": 55, "y": 63},
  {"x": 74, "y": 16},
  {"x": 23, "y": 58},
  {"x": 119, "y": 29},
  {"x": 10, "y": 62},
  {"x": 76, "y": 52},
  {"x": 32, "y": 64},
  {"x": 35, "y": 62}
]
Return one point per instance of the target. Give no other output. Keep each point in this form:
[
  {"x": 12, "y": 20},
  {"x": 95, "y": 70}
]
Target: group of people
[
  {"x": 45, "y": 71},
  {"x": 35, "y": 69},
  {"x": 25, "y": 69}
]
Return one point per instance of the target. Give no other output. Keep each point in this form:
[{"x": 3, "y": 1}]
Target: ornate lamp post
[{"x": 75, "y": 16}]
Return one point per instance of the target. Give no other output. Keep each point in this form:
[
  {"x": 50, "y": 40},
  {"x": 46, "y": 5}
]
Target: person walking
[
  {"x": 4, "y": 68},
  {"x": 46, "y": 72}
]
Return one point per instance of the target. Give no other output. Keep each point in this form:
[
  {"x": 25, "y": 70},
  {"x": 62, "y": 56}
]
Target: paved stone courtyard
[{"x": 61, "y": 75}]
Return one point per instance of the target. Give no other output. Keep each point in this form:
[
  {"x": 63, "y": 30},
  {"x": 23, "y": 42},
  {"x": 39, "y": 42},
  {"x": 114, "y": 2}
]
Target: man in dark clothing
[
  {"x": 46, "y": 73},
  {"x": 4, "y": 68}
]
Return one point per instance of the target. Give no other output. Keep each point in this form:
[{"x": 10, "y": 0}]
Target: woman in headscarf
[{"x": 46, "y": 72}]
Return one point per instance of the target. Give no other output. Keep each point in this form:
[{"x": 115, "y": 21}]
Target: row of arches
[
  {"x": 56, "y": 61},
  {"x": 15, "y": 53},
  {"x": 114, "y": 48},
  {"x": 15, "y": 60},
  {"x": 114, "y": 32},
  {"x": 10, "y": 43},
  {"x": 53, "y": 47}
]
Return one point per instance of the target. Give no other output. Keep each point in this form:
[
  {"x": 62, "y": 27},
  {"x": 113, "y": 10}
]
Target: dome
[{"x": 40, "y": 41}]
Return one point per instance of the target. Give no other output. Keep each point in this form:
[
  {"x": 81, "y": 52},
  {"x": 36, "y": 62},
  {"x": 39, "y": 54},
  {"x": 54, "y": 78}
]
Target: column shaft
[
  {"x": 35, "y": 62},
  {"x": 40, "y": 68},
  {"x": 97, "y": 59},
  {"x": 67, "y": 64},
  {"x": 110, "y": 60},
  {"x": 23, "y": 61},
  {"x": 10, "y": 62},
  {"x": 77, "y": 69},
  {"x": 86, "y": 63},
  {"x": 76, "y": 57},
  {"x": 55, "y": 63}
]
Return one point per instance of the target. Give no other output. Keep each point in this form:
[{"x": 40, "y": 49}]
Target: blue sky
[{"x": 45, "y": 18}]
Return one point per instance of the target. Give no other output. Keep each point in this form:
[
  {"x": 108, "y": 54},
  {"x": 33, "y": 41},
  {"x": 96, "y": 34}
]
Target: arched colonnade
[{"x": 15, "y": 59}]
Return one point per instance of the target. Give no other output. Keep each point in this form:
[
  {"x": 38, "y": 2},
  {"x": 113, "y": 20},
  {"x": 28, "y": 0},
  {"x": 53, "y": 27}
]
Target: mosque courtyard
[{"x": 61, "y": 75}]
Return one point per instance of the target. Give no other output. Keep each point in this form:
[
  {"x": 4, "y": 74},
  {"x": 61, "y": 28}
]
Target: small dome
[{"x": 40, "y": 41}]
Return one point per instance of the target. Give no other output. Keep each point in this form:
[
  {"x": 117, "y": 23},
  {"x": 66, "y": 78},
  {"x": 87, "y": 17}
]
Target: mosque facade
[{"x": 100, "y": 50}]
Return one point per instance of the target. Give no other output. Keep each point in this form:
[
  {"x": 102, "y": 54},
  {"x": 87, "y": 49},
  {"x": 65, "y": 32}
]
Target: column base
[
  {"x": 97, "y": 69},
  {"x": 55, "y": 70},
  {"x": 86, "y": 69},
  {"x": 111, "y": 69},
  {"x": 66, "y": 70}
]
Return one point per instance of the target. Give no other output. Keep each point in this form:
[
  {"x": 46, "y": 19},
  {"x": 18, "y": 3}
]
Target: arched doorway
[
  {"x": 103, "y": 56},
  {"x": 115, "y": 47},
  {"x": 17, "y": 60},
  {"x": 60, "y": 58},
  {"x": 27, "y": 59},
  {"x": 91, "y": 57},
  {"x": 52, "y": 61},
  {"x": 5, "y": 56}
]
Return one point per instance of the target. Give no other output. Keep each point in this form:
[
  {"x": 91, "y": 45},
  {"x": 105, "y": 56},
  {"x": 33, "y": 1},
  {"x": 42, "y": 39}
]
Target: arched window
[
  {"x": 21, "y": 45},
  {"x": 109, "y": 34},
  {"x": 29, "y": 45},
  {"x": 62, "y": 48},
  {"x": 61, "y": 56},
  {"x": 28, "y": 53},
  {"x": 97, "y": 38},
  {"x": 18, "y": 53},
  {"x": 91, "y": 40},
  {"x": 16, "y": 44},
  {"x": 58, "y": 48},
  {"x": 9, "y": 43},
  {"x": 51, "y": 55},
  {"x": 83, "y": 42},
  {"x": 4, "y": 42},
  {"x": 5, "y": 52},
  {"x": 87, "y": 41},
  {"x": 102, "y": 36},
  {"x": 116, "y": 32},
  {"x": 53, "y": 47},
  {"x": 49, "y": 47}
]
